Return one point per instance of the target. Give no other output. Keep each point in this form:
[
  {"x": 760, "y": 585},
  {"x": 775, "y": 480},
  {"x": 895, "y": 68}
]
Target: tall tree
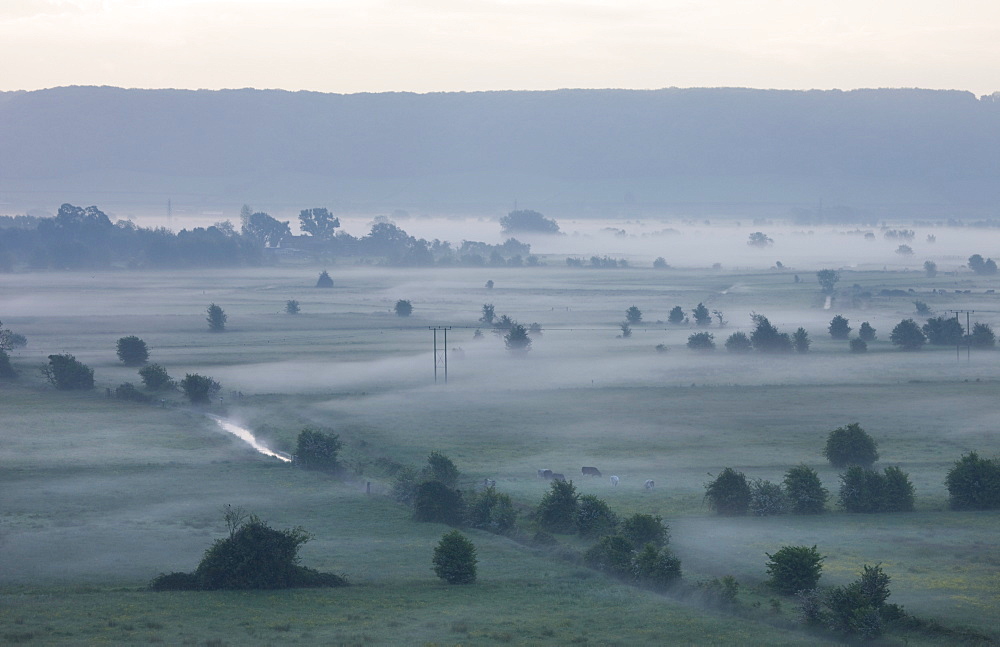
[
  {"x": 264, "y": 230},
  {"x": 827, "y": 280},
  {"x": 319, "y": 223}
]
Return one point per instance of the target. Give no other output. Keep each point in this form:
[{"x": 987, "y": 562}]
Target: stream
[{"x": 247, "y": 436}]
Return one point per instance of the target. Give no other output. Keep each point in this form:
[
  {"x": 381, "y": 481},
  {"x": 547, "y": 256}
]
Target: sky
[{"x": 348, "y": 46}]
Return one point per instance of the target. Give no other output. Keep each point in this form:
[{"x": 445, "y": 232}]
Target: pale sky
[{"x": 351, "y": 46}]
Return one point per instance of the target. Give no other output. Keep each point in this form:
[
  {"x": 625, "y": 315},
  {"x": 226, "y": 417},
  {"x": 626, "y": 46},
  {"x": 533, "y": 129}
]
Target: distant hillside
[{"x": 600, "y": 152}]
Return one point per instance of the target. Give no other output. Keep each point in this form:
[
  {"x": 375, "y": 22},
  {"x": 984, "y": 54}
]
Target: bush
[
  {"x": 766, "y": 498},
  {"x": 403, "y": 308},
  {"x": 216, "y": 318},
  {"x": 804, "y": 491},
  {"x": 865, "y": 490},
  {"x": 317, "y": 450},
  {"x": 766, "y": 338},
  {"x": 907, "y": 335},
  {"x": 516, "y": 339},
  {"x": 838, "y": 327},
  {"x": 491, "y": 510},
  {"x": 7, "y": 371},
  {"x": 199, "y": 389},
  {"x": 794, "y": 568},
  {"x": 859, "y": 346},
  {"x": 943, "y": 331},
  {"x": 292, "y": 307},
  {"x": 436, "y": 502},
  {"x": 800, "y": 341},
  {"x": 729, "y": 493},
  {"x": 866, "y": 332},
  {"x": 404, "y": 486},
  {"x": 849, "y": 612},
  {"x": 612, "y": 554},
  {"x": 656, "y": 566},
  {"x": 175, "y": 582},
  {"x": 127, "y": 391},
  {"x": 642, "y": 529},
  {"x": 701, "y": 341},
  {"x": 633, "y": 315},
  {"x": 676, "y": 315},
  {"x": 324, "y": 280},
  {"x": 974, "y": 483},
  {"x": 155, "y": 377},
  {"x": 982, "y": 336},
  {"x": 897, "y": 492},
  {"x": 65, "y": 373},
  {"x": 455, "y": 559},
  {"x": 702, "y": 317},
  {"x": 557, "y": 510},
  {"x": 132, "y": 351},
  {"x": 441, "y": 468},
  {"x": 594, "y": 518},
  {"x": 850, "y": 445},
  {"x": 738, "y": 342}
]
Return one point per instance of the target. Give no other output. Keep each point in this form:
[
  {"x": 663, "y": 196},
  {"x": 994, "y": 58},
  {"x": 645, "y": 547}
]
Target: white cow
[
  {"x": 614, "y": 480},
  {"x": 648, "y": 484}
]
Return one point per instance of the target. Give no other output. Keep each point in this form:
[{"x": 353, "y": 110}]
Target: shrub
[
  {"x": 292, "y": 307},
  {"x": 800, "y": 341},
  {"x": 766, "y": 498},
  {"x": 850, "y": 445},
  {"x": 132, "y": 351},
  {"x": 441, "y": 468},
  {"x": 921, "y": 308},
  {"x": 838, "y": 327},
  {"x": 175, "y": 582},
  {"x": 557, "y": 510},
  {"x": 455, "y": 559},
  {"x": 794, "y": 568},
  {"x": 626, "y": 329},
  {"x": 804, "y": 491},
  {"x": 859, "y": 346},
  {"x": 404, "y": 486},
  {"x": 612, "y": 554},
  {"x": 317, "y": 450},
  {"x": 436, "y": 502},
  {"x": 633, "y": 315},
  {"x": 491, "y": 510},
  {"x": 738, "y": 342},
  {"x": 155, "y": 377},
  {"x": 982, "y": 336},
  {"x": 127, "y": 391},
  {"x": 7, "y": 371},
  {"x": 874, "y": 585},
  {"x": 897, "y": 491},
  {"x": 403, "y": 308},
  {"x": 907, "y": 335},
  {"x": 66, "y": 373},
  {"x": 676, "y": 315},
  {"x": 702, "y": 316},
  {"x": 974, "y": 483},
  {"x": 729, "y": 493},
  {"x": 199, "y": 389},
  {"x": 642, "y": 529},
  {"x": 516, "y": 339},
  {"x": 324, "y": 280},
  {"x": 216, "y": 318},
  {"x": 656, "y": 566},
  {"x": 766, "y": 338},
  {"x": 594, "y": 518},
  {"x": 849, "y": 612},
  {"x": 865, "y": 490},
  {"x": 866, "y": 332},
  {"x": 701, "y": 341},
  {"x": 943, "y": 331}
]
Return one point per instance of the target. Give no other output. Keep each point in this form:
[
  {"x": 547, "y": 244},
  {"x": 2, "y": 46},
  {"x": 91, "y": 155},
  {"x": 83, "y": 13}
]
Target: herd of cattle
[{"x": 549, "y": 475}]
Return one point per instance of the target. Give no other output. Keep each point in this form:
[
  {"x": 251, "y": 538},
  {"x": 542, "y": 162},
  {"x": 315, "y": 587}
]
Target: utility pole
[
  {"x": 968, "y": 333},
  {"x": 442, "y": 358}
]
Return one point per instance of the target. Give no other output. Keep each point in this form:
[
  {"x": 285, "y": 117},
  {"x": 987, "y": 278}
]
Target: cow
[
  {"x": 558, "y": 477},
  {"x": 590, "y": 471},
  {"x": 648, "y": 484},
  {"x": 545, "y": 474},
  {"x": 614, "y": 480}
]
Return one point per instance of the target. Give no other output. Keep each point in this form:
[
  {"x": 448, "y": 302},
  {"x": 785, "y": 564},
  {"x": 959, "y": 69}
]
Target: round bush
[
  {"x": 794, "y": 568},
  {"x": 974, "y": 483},
  {"x": 455, "y": 559},
  {"x": 850, "y": 445},
  {"x": 729, "y": 493}
]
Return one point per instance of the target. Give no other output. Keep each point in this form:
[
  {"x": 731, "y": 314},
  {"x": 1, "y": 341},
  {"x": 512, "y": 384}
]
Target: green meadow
[{"x": 99, "y": 495}]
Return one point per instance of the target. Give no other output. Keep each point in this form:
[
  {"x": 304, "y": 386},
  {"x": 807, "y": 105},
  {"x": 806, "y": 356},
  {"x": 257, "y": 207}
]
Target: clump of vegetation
[
  {"x": 866, "y": 332},
  {"x": 986, "y": 267},
  {"x": 254, "y": 556},
  {"x": 10, "y": 340},
  {"x": 626, "y": 330},
  {"x": 739, "y": 343},
  {"x": 827, "y": 280},
  {"x": 701, "y": 341},
  {"x": 974, "y": 483},
  {"x": 856, "y": 610},
  {"x": 594, "y": 517},
  {"x": 455, "y": 559},
  {"x": 794, "y": 568},
  {"x": 859, "y": 346},
  {"x": 804, "y": 491},
  {"x": 729, "y": 493},
  {"x": 651, "y": 565},
  {"x": 760, "y": 239},
  {"x": 324, "y": 280},
  {"x": 676, "y": 316},
  {"x": 127, "y": 391},
  {"x": 492, "y": 511},
  {"x": 442, "y": 469},
  {"x": 199, "y": 389},
  {"x": 839, "y": 328},
  {"x": 528, "y": 220},
  {"x": 766, "y": 338},
  {"x": 850, "y": 445},
  {"x": 155, "y": 377},
  {"x": 633, "y": 315},
  {"x": 943, "y": 331},
  {"x": 403, "y": 308},
  {"x": 66, "y": 373},
  {"x": 7, "y": 371},
  {"x": 907, "y": 335},
  {"x": 132, "y": 351},
  {"x": 216, "y": 318},
  {"x": 517, "y": 340},
  {"x": 435, "y": 502},
  {"x": 317, "y": 450},
  {"x": 557, "y": 511},
  {"x": 982, "y": 337},
  {"x": 866, "y": 490},
  {"x": 800, "y": 341},
  {"x": 766, "y": 498},
  {"x": 641, "y": 529},
  {"x": 702, "y": 317},
  {"x": 292, "y": 307}
]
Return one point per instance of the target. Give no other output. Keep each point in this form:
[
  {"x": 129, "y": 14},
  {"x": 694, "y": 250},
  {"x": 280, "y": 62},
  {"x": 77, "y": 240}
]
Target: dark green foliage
[
  {"x": 943, "y": 331},
  {"x": 175, "y": 581},
  {"x": 262, "y": 229},
  {"x": 216, "y": 318},
  {"x": 766, "y": 338},
  {"x": 404, "y": 486},
  {"x": 489, "y": 314},
  {"x": 979, "y": 266},
  {"x": 676, "y": 315},
  {"x": 633, "y": 315},
  {"x": 317, "y": 450},
  {"x": 403, "y": 308},
  {"x": 491, "y": 510},
  {"x": 729, "y": 493},
  {"x": 9, "y": 340},
  {"x": 516, "y": 340},
  {"x": 907, "y": 335},
  {"x": 866, "y": 490},
  {"x": 850, "y": 613},
  {"x": 827, "y": 280},
  {"x": 155, "y": 377},
  {"x": 7, "y": 371},
  {"x": 838, "y": 328},
  {"x": 850, "y": 445},
  {"x": 760, "y": 239},
  {"x": 199, "y": 389},
  {"x": 982, "y": 337},
  {"x": 738, "y": 342},
  {"x": 804, "y": 491},
  {"x": 626, "y": 330},
  {"x": 436, "y": 502},
  {"x": 319, "y": 223},
  {"x": 455, "y": 559},
  {"x": 641, "y": 529},
  {"x": 866, "y": 332},
  {"x": 922, "y": 308},
  {"x": 656, "y": 566},
  {"x": 612, "y": 554},
  {"x": 528, "y": 220},
  {"x": 594, "y": 518},
  {"x": 324, "y": 280},
  {"x": 127, "y": 391},
  {"x": 65, "y": 373},
  {"x": 702, "y": 316},
  {"x": 874, "y": 584},
  {"x": 930, "y": 268},
  {"x": 766, "y": 498},
  {"x": 800, "y": 341},
  {"x": 859, "y": 346},
  {"x": 292, "y": 307},
  {"x": 794, "y": 568},
  {"x": 132, "y": 351},
  {"x": 701, "y": 341},
  {"x": 557, "y": 510},
  {"x": 974, "y": 483},
  {"x": 441, "y": 468},
  {"x": 660, "y": 263}
]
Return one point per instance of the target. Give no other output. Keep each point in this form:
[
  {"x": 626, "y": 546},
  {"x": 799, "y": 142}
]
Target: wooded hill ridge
[{"x": 610, "y": 152}]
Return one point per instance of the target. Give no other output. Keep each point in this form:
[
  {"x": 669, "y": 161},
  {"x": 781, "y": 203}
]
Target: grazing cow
[
  {"x": 590, "y": 471},
  {"x": 648, "y": 484},
  {"x": 614, "y": 480},
  {"x": 558, "y": 477},
  {"x": 489, "y": 483},
  {"x": 545, "y": 474}
]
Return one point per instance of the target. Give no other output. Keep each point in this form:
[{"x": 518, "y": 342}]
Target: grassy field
[{"x": 99, "y": 496}]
